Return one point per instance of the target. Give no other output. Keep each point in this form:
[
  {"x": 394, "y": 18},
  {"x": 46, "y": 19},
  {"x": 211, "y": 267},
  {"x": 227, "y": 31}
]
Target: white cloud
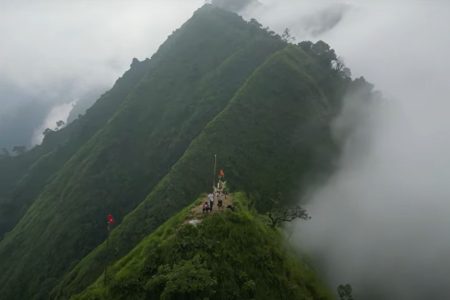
[
  {"x": 381, "y": 221},
  {"x": 59, "y": 112},
  {"x": 58, "y": 51}
]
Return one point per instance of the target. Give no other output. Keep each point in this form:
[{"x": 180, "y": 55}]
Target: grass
[
  {"x": 273, "y": 137},
  {"x": 218, "y": 85},
  {"x": 232, "y": 255}
]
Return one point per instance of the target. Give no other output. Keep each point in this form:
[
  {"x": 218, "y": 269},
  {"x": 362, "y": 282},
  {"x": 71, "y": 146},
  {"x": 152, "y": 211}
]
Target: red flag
[
  {"x": 110, "y": 219},
  {"x": 221, "y": 173}
]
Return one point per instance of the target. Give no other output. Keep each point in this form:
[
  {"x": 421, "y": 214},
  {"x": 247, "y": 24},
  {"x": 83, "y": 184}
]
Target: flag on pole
[
  {"x": 110, "y": 219},
  {"x": 221, "y": 173}
]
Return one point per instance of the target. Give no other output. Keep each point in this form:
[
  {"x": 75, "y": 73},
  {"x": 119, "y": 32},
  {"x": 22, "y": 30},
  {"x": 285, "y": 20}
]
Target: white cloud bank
[
  {"x": 57, "y": 51},
  {"x": 382, "y": 221}
]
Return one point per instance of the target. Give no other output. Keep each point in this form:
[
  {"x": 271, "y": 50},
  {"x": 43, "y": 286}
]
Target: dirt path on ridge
[{"x": 197, "y": 214}]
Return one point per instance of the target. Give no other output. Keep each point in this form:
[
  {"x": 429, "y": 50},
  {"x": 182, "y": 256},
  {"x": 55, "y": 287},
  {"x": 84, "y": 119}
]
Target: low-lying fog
[{"x": 381, "y": 223}]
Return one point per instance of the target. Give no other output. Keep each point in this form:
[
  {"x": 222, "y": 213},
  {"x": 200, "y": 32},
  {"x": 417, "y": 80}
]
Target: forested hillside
[
  {"x": 23, "y": 177},
  {"x": 144, "y": 151},
  {"x": 228, "y": 255}
]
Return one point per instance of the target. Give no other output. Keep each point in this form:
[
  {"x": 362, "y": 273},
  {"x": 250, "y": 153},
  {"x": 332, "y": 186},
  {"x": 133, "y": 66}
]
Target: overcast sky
[
  {"x": 55, "y": 52},
  {"x": 382, "y": 220},
  {"x": 381, "y": 223}
]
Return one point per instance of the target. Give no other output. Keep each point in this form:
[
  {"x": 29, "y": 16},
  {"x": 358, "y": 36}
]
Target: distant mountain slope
[
  {"x": 229, "y": 255},
  {"x": 23, "y": 177},
  {"x": 191, "y": 79},
  {"x": 84, "y": 103}
]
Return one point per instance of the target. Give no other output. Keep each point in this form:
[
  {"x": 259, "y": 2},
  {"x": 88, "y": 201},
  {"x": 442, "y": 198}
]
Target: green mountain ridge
[
  {"x": 22, "y": 178},
  {"x": 218, "y": 85},
  {"x": 229, "y": 255},
  {"x": 175, "y": 191}
]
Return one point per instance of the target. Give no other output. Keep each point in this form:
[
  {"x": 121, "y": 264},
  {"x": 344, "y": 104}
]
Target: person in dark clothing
[{"x": 205, "y": 207}]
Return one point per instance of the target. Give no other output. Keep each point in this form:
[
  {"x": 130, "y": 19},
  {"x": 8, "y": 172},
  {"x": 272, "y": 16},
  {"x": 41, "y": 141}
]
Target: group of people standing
[{"x": 218, "y": 195}]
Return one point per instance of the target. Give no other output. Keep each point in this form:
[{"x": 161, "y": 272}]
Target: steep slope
[
  {"x": 218, "y": 85},
  {"x": 273, "y": 137},
  {"x": 229, "y": 255},
  {"x": 191, "y": 78},
  {"x": 22, "y": 178}
]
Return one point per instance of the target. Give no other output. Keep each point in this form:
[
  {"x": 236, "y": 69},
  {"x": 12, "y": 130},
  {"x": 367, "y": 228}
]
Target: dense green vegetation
[
  {"x": 278, "y": 97},
  {"x": 22, "y": 178},
  {"x": 187, "y": 82},
  {"x": 230, "y": 255},
  {"x": 218, "y": 85}
]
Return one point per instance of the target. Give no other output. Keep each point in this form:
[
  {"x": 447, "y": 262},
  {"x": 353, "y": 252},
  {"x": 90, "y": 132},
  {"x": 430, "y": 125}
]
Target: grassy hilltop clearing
[{"x": 229, "y": 255}]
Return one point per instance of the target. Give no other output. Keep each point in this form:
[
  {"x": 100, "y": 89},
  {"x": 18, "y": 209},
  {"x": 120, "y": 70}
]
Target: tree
[
  {"x": 287, "y": 214},
  {"x": 345, "y": 292},
  {"x": 340, "y": 67},
  {"x": 255, "y": 23},
  {"x": 281, "y": 214},
  {"x": 287, "y": 37},
  {"x": 321, "y": 50},
  {"x": 60, "y": 124},
  {"x": 324, "y": 52},
  {"x": 47, "y": 131},
  {"x": 346, "y": 72},
  {"x": 306, "y": 46},
  {"x": 188, "y": 279}
]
